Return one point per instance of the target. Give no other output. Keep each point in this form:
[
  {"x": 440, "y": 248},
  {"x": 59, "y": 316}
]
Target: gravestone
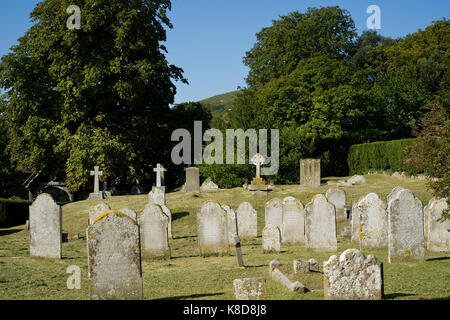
[
  {"x": 320, "y": 224},
  {"x": 231, "y": 222},
  {"x": 337, "y": 197},
  {"x": 301, "y": 266},
  {"x": 154, "y": 232},
  {"x": 130, "y": 213},
  {"x": 293, "y": 221},
  {"x": 249, "y": 288},
  {"x": 352, "y": 276},
  {"x": 157, "y": 195},
  {"x": 258, "y": 185},
  {"x": 372, "y": 222},
  {"x": 45, "y": 227},
  {"x": 192, "y": 180},
  {"x": 438, "y": 239},
  {"x": 96, "y": 195},
  {"x": 279, "y": 276},
  {"x": 96, "y": 210},
  {"x": 425, "y": 219},
  {"x": 247, "y": 219},
  {"x": 274, "y": 213},
  {"x": 405, "y": 227},
  {"x": 212, "y": 230},
  {"x": 354, "y": 222},
  {"x": 114, "y": 258},
  {"x": 209, "y": 186},
  {"x": 271, "y": 239},
  {"x": 168, "y": 213},
  {"x": 310, "y": 172}
]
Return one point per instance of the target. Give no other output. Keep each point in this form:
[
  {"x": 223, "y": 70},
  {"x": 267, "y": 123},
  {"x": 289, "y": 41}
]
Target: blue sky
[{"x": 210, "y": 37}]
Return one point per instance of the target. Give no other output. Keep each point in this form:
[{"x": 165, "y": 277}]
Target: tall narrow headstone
[
  {"x": 96, "y": 210},
  {"x": 274, "y": 213},
  {"x": 231, "y": 222},
  {"x": 310, "y": 172},
  {"x": 45, "y": 227},
  {"x": 405, "y": 227},
  {"x": 212, "y": 230},
  {"x": 114, "y": 258},
  {"x": 154, "y": 232},
  {"x": 247, "y": 219},
  {"x": 373, "y": 222},
  {"x": 320, "y": 226},
  {"x": 192, "y": 180},
  {"x": 293, "y": 221},
  {"x": 168, "y": 213},
  {"x": 352, "y": 276},
  {"x": 337, "y": 197},
  {"x": 438, "y": 239},
  {"x": 354, "y": 222},
  {"x": 271, "y": 239}
]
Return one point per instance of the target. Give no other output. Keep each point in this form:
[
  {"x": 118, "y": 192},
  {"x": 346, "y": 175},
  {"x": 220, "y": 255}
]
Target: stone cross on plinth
[
  {"x": 258, "y": 160},
  {"x": 159, "y": 169},
  {"x": 96, "y": 195}
]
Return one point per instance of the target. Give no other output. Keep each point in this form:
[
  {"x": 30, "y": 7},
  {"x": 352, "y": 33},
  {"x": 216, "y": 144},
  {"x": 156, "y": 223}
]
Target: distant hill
[{"x": 220, "y": 103}]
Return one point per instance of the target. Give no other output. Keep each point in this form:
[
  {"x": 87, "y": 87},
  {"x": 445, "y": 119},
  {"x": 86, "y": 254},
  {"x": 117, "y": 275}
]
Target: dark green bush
[
  {"x": 13, "y": 212},
  {"x": 383, "y": 155}
]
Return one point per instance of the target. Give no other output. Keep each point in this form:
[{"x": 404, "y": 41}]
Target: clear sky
[{"x": 210, "y": 37}]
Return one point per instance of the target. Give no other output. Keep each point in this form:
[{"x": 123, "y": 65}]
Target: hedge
[
  {"x": 383, "y": 155},
  {"x": 13, "y": 212}
]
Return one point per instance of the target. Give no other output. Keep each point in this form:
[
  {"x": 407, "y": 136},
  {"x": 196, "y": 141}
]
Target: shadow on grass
[
  {"x": 8, "y": 232},
  {"x": 397, "y": 295},
  {"x": 179, "y": 215},
  {"x": 180, "y": 257},
  {"x": 192, "y": 296},
  {"x": 184, "y": 237},
  {"x": 260, "y": 266},
  {"x": 438, "y": 259}
]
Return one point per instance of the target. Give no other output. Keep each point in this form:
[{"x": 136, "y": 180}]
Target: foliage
[
  {"x": 94, "y": 96},
  {"x": 382, "y": 155},
  {"x": 13, "y": 212}
]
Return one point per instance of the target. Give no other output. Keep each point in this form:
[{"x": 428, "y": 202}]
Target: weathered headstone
[
  {"x": 352, "y": 276},
  {"x": 249, "y": 288},
  {"x": 301, "y": 266},
  {"x": 96, "y": 210},
  {"x": 293, "y": 221},
  {"x": 157, "y": 195},
  {"x": 192, "y": 180},
  {"x": 209, "y": 186},
  {"x": 114, "y": 258},
  {"x": 154, "y": 232},
  {"x": 310, "y": 172},
  {"x": 354, "y": 222},
  {"x": 96, "y": 195},
  {"x": 320, "y": 226},
  {"x": 271, "y": 239},
  {"x": 438, "y": 239},
  {"x": 425, "y": 219},
  {"x": 212, "y": 230},
  {"x": 231, "y": 222},
  {"x": 279, "y": 276},
  {"x": 356, "y": 180},
  {"x": 372, "y": 222},
  {"x": 336, "y": 196},
  {"x": 405, "y": 227},
  {"x": 274, "y": 213},
  {"x": 313, "y": 265},
  {"x": 168, "y": 213},
  {"x": 45, "y": 227},
  {"x": 130, "y": 213},
  {"x": 247, "y": 219}
]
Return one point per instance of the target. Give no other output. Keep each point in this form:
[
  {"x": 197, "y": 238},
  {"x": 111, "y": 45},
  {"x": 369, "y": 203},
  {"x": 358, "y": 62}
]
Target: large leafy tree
[{"x": 99, "y": 95}]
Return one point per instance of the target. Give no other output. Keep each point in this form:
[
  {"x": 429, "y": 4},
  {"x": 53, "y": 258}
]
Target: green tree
[{"x": 99, "y": 95}]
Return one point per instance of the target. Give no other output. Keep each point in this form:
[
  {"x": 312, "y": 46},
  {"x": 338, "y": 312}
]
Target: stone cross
[
  {"x": 96, "y": 173},
  {"x": 258, "y": 160},
  {"x": 158, "y": 171}
]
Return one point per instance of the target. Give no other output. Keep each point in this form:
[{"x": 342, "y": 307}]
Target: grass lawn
[{"x": 188, "y": 276}]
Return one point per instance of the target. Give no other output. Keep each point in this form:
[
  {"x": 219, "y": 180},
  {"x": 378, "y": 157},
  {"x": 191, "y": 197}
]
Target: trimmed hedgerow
[
  {"x": 13, "y": 212},
  {"x": 382, "y": 155}
]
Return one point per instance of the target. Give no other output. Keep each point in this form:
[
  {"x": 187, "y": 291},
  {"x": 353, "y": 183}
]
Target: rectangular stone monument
[
  {"x": 373, "y": 222},
  {"x": 45, "y": 227},
  {"x": 114, "y": 258},
  {"x": 274, "y": 213},
  {"x": 247, "y": 219},
  {"x": 154, "y": 232},
  {"x": 405, "y": 227},
  {"x": 271, "y": 239},
  {"x": 231, "y": 222},
  {"x": 310, "y": 172},
  {"x": 320, "y": 225},
  {"x": 249, "y": 288},
  {"x": 438, "y": 239},
  {"x": 337, "y": 197},
  {"x": 212, "y": 230},
  {"x": 352, "y": 276},
  {"x": 293, "y": 221},
  {"x": 192, "y": 180}
]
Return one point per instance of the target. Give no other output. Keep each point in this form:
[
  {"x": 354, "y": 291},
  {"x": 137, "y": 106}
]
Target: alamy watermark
[
  {"x": 74, "y": 281},
  {"x": 74, "y": 21},
  {"x": 213, "y": 152},
  {"x": 374, "y": 21}
]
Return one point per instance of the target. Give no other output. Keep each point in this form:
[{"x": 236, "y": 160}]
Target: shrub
[
  {"x": 13, "y": 212},
  {"x": 382, "y": 155}
]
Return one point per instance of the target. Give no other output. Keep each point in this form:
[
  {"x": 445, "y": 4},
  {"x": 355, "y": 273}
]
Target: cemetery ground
[{"x": 188, "y": 276}]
